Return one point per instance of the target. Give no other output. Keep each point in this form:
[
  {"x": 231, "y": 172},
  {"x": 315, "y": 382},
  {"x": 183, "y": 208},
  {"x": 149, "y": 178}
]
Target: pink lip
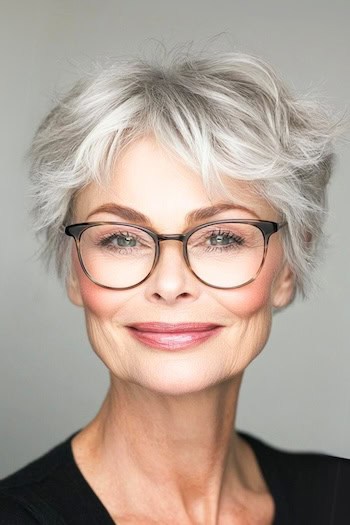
[
  {"x": 173, "y": 340},
  {"x": 173, "y": 328}
]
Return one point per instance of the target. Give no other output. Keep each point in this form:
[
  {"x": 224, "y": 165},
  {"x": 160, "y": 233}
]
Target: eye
[
  {"x": 123, "y": 240},
  {"x": 224, "y": 238},
  {"x": 237, "y": 237}
]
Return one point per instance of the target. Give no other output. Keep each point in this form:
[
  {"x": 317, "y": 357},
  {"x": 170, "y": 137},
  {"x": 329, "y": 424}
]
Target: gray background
[{"x": 297, "y": 393}]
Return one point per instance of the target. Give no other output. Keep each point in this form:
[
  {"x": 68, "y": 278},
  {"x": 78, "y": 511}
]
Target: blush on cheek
[
  {"x": 96, "y": 300},
  {"x": 249, "y": 299},
  {"x": 258, "y": 294}
]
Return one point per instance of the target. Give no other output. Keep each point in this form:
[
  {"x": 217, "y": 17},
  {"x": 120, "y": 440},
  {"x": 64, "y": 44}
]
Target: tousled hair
[{"x": 221, "y": 113}]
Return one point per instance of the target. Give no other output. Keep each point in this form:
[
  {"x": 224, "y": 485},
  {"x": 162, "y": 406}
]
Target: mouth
[{"x": 173, "y": 337}]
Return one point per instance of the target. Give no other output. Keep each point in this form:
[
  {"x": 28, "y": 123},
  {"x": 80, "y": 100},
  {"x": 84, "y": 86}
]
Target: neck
[{"x": 181, "y": 450}]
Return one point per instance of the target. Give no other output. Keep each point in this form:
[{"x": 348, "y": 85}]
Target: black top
[{"x": 308, "y": 489}]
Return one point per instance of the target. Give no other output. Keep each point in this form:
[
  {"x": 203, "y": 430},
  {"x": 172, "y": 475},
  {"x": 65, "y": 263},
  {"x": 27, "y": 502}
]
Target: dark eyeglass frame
[{"x": 267, "y": 228}]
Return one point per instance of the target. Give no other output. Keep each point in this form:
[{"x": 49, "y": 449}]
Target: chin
[
  {"x": 177, "y": 387},
  {"x": 180, "y": 374}
]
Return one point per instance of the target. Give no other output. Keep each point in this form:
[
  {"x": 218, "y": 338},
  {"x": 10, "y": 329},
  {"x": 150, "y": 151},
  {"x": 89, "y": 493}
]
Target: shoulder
[
  {"x": 37, "y": 470},
  {"x": 28, "y": 495},
  {"x": 298, "y": 464},
  {"x": 14, "y": 513},
  {"x": 311, "y": 485}
]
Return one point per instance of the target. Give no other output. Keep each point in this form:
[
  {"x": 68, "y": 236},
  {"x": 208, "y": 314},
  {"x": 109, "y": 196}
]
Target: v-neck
[
  {"x": 266, "y": 457},
  {"x": 263, "y": 456},
  {"x": 100, "y": 513}
]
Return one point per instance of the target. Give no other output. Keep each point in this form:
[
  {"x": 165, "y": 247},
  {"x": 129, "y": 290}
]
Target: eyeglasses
[{"x": 222, "y": 254}]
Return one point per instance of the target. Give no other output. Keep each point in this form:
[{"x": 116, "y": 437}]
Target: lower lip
[{"x": 172, "y": 341}]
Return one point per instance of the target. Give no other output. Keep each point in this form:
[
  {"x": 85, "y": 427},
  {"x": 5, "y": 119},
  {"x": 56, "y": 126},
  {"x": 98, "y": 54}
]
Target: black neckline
[
  {"x": 267, "y": 459},
  {"x": 101, "y": 512},
  {"x": 265, "y": 456}
]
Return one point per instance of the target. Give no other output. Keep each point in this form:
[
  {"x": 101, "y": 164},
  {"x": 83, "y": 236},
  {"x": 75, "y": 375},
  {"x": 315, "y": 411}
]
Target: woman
[{"x": 183, "y": 203}]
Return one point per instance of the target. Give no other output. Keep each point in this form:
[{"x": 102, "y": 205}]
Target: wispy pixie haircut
[{"x": 221, "y": 113}]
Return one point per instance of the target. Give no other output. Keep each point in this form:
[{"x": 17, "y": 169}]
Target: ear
[
  {"x": 283, "y": 291},
  {"x": 73, "y": 287}
]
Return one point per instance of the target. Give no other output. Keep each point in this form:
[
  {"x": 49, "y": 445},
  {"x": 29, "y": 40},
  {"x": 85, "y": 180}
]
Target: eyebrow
[{"x": 200, "y": 214}]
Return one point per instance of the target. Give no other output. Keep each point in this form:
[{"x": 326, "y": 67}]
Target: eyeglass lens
[{"x": 224, "y": 255}]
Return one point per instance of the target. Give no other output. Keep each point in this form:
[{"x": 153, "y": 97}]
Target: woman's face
[{"x": 152, "y": 182}]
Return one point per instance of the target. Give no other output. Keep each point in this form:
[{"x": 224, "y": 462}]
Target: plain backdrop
[{"x": 296, "y": 394}]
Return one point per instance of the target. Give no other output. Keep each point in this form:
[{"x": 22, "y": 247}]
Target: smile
[{"x": 173, "y": 341}]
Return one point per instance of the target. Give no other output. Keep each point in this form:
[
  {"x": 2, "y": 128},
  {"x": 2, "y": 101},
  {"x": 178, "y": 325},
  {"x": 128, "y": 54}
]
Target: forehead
[{"x": 151, "y": 180}]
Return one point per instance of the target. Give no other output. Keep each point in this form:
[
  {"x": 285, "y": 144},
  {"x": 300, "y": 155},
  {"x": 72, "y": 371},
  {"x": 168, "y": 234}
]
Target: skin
[{"x": 162, "y": 448}]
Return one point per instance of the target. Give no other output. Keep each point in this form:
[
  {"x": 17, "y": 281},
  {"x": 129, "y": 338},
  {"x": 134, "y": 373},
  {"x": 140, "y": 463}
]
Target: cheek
[
  {"x": 255, "y": 297},
  {"x": 249, "y": 302},
  {"x": 250, "y": 299},
  {"x": 98, "y": 301}
]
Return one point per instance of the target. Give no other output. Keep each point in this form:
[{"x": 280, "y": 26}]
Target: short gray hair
[{"x": 221, "y": 113}]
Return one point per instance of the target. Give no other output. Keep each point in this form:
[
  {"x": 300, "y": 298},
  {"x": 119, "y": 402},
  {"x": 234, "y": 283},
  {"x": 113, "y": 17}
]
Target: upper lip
[{"x": 171, "y": 327}]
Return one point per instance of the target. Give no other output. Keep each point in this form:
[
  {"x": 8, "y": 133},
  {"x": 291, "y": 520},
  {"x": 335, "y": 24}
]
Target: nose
[{"x": 171, "y": 279}]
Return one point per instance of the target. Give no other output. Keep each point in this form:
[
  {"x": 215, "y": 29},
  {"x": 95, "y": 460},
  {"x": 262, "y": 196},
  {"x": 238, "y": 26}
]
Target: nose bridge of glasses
[{"x": 172, "y": 237}]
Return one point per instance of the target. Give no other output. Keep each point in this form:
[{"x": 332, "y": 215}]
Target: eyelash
[
  {"x": 105, "y": 241},
  {"x": 237, "y": 239}
]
